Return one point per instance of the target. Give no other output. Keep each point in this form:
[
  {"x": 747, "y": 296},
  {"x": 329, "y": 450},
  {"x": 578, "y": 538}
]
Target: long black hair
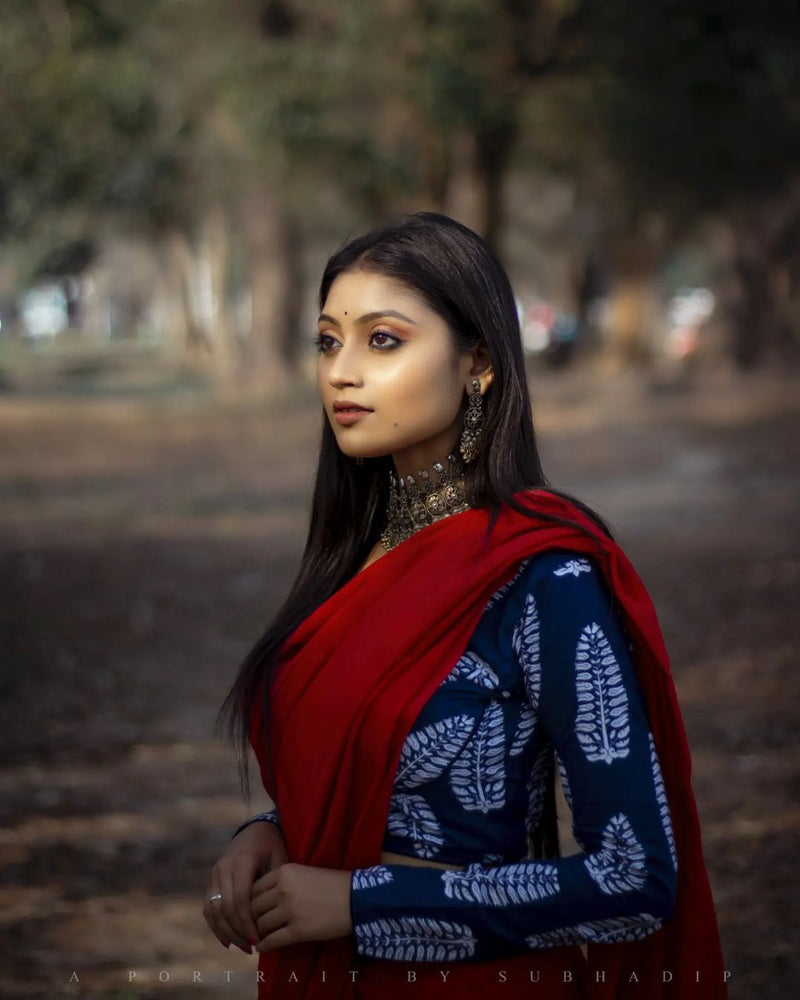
[{"x": 461, "y": 280}]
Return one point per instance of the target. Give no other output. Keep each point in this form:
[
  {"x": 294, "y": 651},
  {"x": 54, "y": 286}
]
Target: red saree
[{"x": 352, "y": 679}]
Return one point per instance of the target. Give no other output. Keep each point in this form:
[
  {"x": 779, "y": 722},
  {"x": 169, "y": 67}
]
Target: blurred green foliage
[
  {"x": 143, "y": 108},
  {"x": 700, "y": 97},
  {"x": 149, "y": 115}
]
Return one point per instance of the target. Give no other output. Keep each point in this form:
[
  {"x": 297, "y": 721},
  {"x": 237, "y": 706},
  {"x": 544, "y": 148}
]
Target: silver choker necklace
[{"x": 415, "y": 502}]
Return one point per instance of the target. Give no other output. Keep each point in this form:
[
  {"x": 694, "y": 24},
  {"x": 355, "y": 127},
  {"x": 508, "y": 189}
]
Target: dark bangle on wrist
[{"x": 265, "y": 817}]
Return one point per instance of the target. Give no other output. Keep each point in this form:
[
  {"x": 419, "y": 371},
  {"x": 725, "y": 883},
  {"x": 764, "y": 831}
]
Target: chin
[
  {"x": 367, "y": 453},
  {"x": 364, "y": 450}
]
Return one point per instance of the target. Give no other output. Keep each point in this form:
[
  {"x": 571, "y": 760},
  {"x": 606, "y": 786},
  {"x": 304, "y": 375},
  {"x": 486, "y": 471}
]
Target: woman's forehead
[{"x": 372, "y": 288}]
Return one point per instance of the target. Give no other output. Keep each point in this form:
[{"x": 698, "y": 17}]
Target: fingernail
[
  {"x": 225, "y": 944},
  {"x": 253, "y": 941},
  {"x": 248, "y": 950}
]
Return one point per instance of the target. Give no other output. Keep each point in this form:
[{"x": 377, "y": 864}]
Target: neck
[
  {"x": 417, "y": 500},
  {"x": 423, "y": 456},
  {"x": 406, "y": 475}
]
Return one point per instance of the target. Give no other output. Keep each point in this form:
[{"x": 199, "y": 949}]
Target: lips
[
  {"x": 346, "y": 413},
  {"x": 347, "y": 407}
]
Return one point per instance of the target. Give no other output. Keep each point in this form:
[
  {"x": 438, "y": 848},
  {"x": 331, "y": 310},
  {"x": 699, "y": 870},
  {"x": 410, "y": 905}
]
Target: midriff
[{"x": 389, "y": 858}]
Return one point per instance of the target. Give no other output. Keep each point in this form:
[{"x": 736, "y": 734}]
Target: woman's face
[{"x": 382, "y": 348}]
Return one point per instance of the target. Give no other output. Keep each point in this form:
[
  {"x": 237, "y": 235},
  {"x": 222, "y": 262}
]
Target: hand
[
  {"x": 296, "y": 903},
  {"x": 257, "y": 849}
]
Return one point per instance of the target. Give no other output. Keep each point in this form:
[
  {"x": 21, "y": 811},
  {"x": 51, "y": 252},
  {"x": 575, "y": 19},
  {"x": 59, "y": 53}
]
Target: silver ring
[{"x": 215, "y": 897}]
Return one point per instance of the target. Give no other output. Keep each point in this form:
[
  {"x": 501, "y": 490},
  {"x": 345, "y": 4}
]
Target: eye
[
  {"x": 323, "y": 342},
  {"x": 384, "y": 340}
]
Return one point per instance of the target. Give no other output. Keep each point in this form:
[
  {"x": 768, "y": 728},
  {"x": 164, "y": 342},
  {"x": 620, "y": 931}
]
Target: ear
[{"x": 481, "y": 367}]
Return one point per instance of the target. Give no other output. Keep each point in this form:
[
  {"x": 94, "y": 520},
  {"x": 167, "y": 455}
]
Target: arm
[{"x": 580, "y": 682}]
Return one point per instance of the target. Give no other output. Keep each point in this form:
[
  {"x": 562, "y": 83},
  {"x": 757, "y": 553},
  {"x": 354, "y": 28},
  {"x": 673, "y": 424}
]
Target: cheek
[
  {"x": 427, "y": 391},
  {"x": 323, "y": 375}
]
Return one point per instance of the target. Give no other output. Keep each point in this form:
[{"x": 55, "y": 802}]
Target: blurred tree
[
  {"x": 78, "y": 110},
  {"x": 287, "y": 106},
  {"x": 699, "y": 102},
  {"x": 88, "y": 140},
  {"x": 471, "y": 65},
  {"x": 221, "y": 130}
]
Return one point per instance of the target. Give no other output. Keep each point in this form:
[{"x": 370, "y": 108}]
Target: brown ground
[{"x": 145, "y": 540}]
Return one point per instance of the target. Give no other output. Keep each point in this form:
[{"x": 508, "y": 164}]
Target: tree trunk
[
  {"x": 212, "y": 263},
  {"x": 293, "y": 288},
  {"x": 475, "y": 182},
  {"x": 749, "y": 314},
  {"x": 633, "y": 299},
  {"x": 172, "y": 297},
  {"x": 632, "y": 314},
  {"x": 766, "y": 252},
  {"x": 462, "y": 200},
  {"x": 271, "y": 245},
  {"x": 493, "y": 147},
  {"x": 435, "y": 153}
]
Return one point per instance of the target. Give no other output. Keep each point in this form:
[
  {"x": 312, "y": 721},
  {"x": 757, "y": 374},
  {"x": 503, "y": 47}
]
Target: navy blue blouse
[{"x": 547, "y": 680}]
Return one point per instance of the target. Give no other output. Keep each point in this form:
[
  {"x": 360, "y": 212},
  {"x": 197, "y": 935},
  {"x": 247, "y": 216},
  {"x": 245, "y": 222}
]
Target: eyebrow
[{"x": 368, "y": 317}]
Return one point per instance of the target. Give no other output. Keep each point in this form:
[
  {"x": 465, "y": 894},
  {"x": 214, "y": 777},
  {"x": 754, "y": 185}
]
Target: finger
[
  {"x": 268, "y": 913},
  {"x": 276, "y": 939},
  {"x": 242, "y": 917},
  {"x": 264, "y": 903},
  {"x": 211, "y": 910},
  {"x": 230, "y": 934},
  {"x": 229, "y": 921},
  {"x": 267, "y": 881}
]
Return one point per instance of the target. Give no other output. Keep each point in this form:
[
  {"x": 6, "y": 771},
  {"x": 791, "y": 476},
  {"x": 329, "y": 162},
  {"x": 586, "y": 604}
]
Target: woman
[{"x": 457, "y": 632}]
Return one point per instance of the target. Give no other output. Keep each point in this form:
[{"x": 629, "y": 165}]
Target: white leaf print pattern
[
  {"x": 524, "y": 882},
  {"x": 537, "y": 783},
  {"x": 619, "y": 866},
  {"x": 478, "y": 777},
  {"x": 613, "y": 929},
  {"x": 506, "y": 586},
  {"x": 661, "y": 798},
  {"x": 525, "y": 727},
  {"x": 574, "y": 567},
  {"x": 601, "y": 724},
  {"x": 562, "y": 773},
  {"x": 368, "y": 878},
  {"x": 472, "y": 668},
  {"x": 525, "y": 642},
  {"x": 415, "y": 939},
  {"x": 427, "y": 752},
  {"x": 410, "y": 816}
]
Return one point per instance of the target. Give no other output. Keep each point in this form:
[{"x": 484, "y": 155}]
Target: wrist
[
  {"x": 262, "y": 842},
  {"x": 256, "y": 836},
  {"x": 270, "y": 816},
  {"x": 348, "y": 909}
]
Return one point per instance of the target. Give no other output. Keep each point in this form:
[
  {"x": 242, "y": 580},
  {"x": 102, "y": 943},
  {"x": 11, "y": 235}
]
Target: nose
[{"x": 344, "y": 369}]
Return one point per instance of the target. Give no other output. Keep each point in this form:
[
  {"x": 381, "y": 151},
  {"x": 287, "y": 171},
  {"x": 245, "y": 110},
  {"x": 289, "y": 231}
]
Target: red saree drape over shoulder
[{"x": 352, "y": 679}]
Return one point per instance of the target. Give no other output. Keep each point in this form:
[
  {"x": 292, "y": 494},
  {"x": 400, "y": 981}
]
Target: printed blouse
[{"x": 547, "y": 680}]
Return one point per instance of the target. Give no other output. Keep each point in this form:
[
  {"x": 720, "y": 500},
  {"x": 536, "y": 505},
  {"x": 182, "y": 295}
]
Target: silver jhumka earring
[{"x": 473, "y": 421}]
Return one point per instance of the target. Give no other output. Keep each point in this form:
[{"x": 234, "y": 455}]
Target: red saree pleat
[{"x": 352, "y": 679}]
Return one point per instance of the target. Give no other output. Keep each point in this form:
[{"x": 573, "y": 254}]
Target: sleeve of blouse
[
  {"x": 580, "y": 680},
  {"x": 270, "y": 816}
]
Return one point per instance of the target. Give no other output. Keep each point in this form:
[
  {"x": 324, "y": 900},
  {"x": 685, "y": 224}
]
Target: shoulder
[
  {"x": 553, "y": 505},
  {"x": 558, "y": 585},
  {"x": 542, "y": 571}
]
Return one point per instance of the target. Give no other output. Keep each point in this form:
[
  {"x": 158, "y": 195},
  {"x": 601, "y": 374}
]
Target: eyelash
[{"x": 319, "y": 341}]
